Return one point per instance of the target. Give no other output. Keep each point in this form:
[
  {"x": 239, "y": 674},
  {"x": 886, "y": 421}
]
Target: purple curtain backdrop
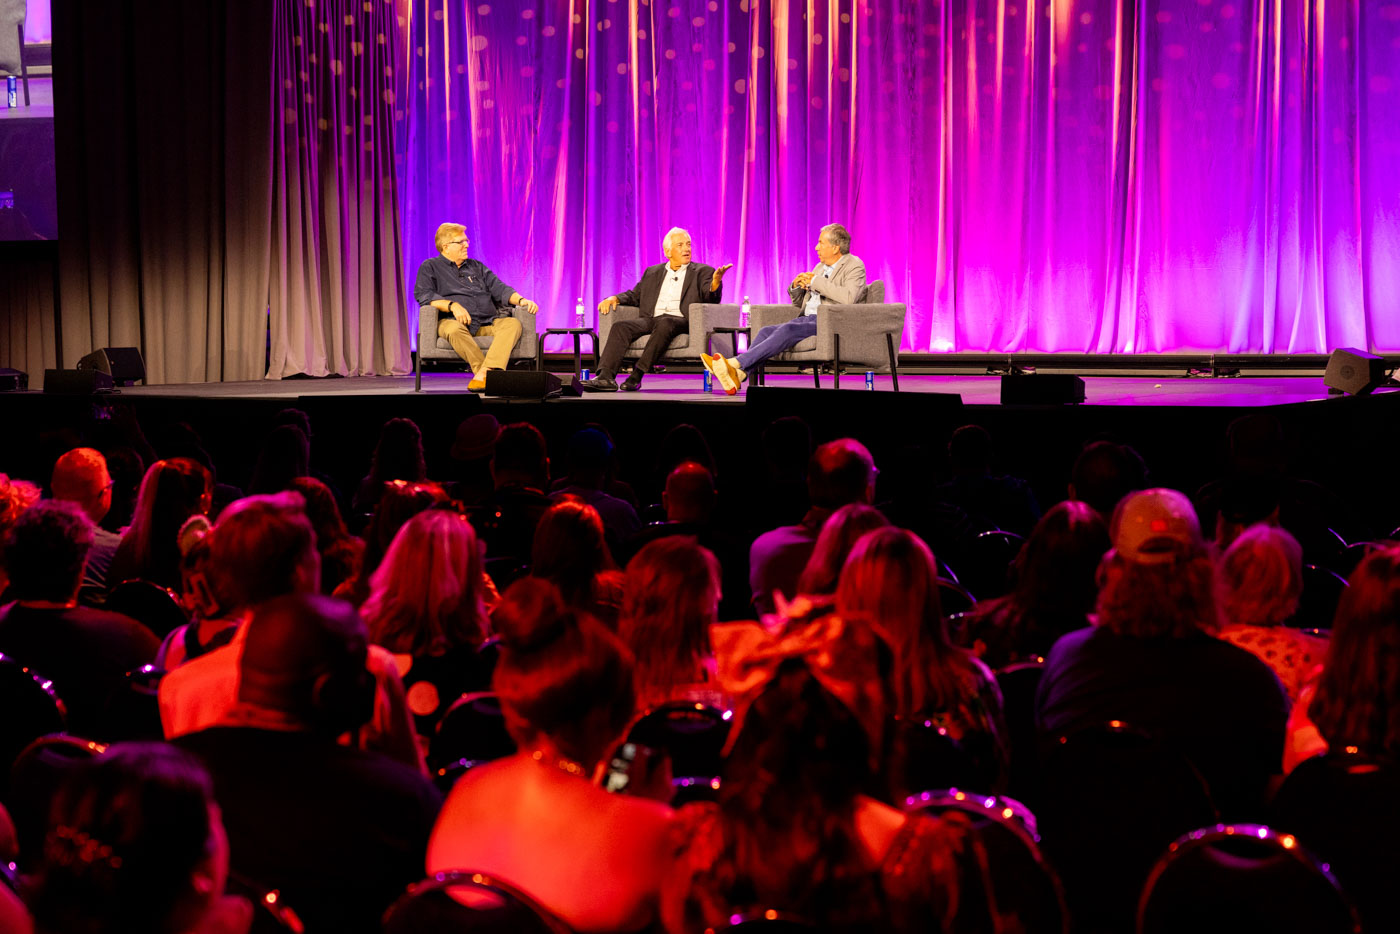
[{"x": 1028, "y": 175}]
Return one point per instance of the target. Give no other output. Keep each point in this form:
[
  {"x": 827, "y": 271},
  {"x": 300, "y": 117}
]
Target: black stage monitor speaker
[
  {"x": 529, "y": 384},
  {"x": 13, "y": 380},
  {"x": 76, "y": 382},
  {"x": 1354, "y": 372},
  {"x": 123, "y": 364},
  {"x": 1042, "y": 389}
]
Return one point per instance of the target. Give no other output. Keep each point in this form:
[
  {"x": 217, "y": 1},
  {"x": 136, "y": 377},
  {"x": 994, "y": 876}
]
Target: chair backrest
[
  {"x": 1242, "y": 877},
  {"x": 1112, "y": 798},
  {"x": 133, "y": 710},
  {"x": 691, "y": 734},
  {"x": 954, "y": 597},
  {"x": 153, "y": 606},
  {"x": 472, "y": 731},
  {"x": 873, "y": 293},
  {"x": 35, "y": 776},
  {"x": 1018, "y": 683},
  {"x": 987, "y": 565},
  {"x": 468, "y": 901},
  {"x": 766, "y": 921},
  {"x": 1322, "y": 589},
  {"x": 927, "y": 756},
  {"x": 29, "y": 708},
  {"x": 1342, "y": 806},
  {"x": 1022, "y": 885}
]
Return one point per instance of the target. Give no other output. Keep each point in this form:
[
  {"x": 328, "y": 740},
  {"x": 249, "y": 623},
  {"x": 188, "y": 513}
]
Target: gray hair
[
  {"x": 838, "y": 237},
  {"x": 666, "y": 241}
]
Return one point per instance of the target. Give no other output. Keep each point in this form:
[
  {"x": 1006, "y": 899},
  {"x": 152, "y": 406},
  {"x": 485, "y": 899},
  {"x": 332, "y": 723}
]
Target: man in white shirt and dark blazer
[{"x": 664, "y": 294}]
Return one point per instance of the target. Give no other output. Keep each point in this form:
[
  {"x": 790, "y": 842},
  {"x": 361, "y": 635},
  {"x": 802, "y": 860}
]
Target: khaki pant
[{"x": 505, "y": 333}]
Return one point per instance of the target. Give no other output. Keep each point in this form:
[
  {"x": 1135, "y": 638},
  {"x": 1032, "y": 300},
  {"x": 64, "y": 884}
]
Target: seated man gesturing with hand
[
  {"x": 836, "y": 280},
  {"x": 469, "y": 298}
]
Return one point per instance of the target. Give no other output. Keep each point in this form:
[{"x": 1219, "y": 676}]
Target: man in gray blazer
[{"x": 837, "y": 279}]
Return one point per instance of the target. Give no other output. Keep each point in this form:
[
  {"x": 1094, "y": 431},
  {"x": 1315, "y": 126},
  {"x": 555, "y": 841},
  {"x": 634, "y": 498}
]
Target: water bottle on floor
[
  {"x": 709, "y": 387},
  {"x": 580, "y": 319},
  {"x": 12, "y": 91}
]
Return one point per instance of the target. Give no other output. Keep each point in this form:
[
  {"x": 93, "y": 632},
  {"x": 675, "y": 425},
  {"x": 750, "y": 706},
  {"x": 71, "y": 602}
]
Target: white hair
[{"x": 666, "y": 241}]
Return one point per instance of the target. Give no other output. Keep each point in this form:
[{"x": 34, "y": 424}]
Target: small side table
[
  {"x": 591, "y": 334},
  {"x": 757, "y": 377}
]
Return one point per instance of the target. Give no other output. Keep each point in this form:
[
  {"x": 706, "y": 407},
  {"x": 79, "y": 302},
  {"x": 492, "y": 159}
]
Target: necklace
[{"x": 561, "y": 763}]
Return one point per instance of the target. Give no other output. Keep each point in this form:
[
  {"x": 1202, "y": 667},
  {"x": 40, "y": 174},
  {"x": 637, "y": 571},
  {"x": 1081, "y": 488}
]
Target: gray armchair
[
  {"x": 866, "y": 333},
  {"x": 432, "y": 347},
  {"x": 688, "y": 345}
]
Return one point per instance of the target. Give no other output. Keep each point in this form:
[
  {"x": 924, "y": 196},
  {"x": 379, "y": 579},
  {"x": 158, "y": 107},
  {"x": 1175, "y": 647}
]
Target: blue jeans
[{"x": 777, "y": 338}]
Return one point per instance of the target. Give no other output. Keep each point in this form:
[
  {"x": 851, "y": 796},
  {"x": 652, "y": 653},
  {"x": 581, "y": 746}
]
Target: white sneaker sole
[{"x": 720, "y": 371}]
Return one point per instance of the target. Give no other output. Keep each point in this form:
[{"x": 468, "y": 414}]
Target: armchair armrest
[
  {"x": 705, "y": 317},
  {"x": 529, "y": 334},
  {"x": 620, "y": 313}
]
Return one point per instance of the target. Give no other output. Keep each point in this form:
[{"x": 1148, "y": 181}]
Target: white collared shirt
[
  {"x": 669, "y": 301},
  {"x": 813, "y": 298}
]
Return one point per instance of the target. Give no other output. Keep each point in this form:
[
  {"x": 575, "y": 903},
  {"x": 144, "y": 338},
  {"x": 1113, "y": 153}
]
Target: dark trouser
[{"x": 662, "y": 329}]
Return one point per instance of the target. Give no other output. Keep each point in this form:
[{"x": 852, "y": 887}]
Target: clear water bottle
[
  {"x": 744, "y": 313},
  {"x": 580, "y": 319}
]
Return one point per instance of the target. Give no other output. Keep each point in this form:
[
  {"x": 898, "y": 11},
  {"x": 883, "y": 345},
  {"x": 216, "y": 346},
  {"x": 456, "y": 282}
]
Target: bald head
[
  {"x": 304, "y": 656},
  {"x": 80, "y": 476},
  {"x": 839, "y": 473},
  {"x": 690, "y": 494}
]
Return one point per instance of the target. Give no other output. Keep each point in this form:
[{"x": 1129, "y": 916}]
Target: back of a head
[
  {"x": 130, "y": 832},
  {"x": 426, "y": 595},
  {"x": 1256, "y": 444},
  {"x": 970, "y": 450},
  {"x": 1056, "y": 569},
  {"x": 1104, "y": 473},
  {"x": 262, "y": 547},
  {"x": 690, "y": 493},
  {"x": 1159, "y": 579},
  {"x": 285, "y": 456},
  {"x": 171, "y": 492},
  {"x": 1261, "y": 577},
  {"x": 569, "y": 546},
  {"x": 670, "y": 599},
  {"x": 590, "y": 452},
  {"x": 560, "y": 674},
  {"x": 520, "y": 456},
  {"x": 399, "y": 453},
  {"x": 45, "y": 550},
  {"x": 80, "y": 476},
  {"x": 685, "y": 443},
  {"x": 15, "y": 497},
  {"x": 1358, "y": 693},
  {"x": 322, "y": 510},
  {"x": 304, "y": 657},
  {"x": 841, "y": 472},
  {"x": 842, "y": 529}
]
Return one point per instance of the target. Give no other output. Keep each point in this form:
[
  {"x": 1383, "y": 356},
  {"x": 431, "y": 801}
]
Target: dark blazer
[{"x": 643, "y": 295}]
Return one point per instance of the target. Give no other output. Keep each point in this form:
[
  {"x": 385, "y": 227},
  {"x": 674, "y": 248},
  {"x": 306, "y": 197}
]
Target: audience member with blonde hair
[
  {"x": 427, "y": 605},
  {"x": 1261, "y": 580},
  {"x": 80, "y": 476},
  {"x": 890, "y": 583},
  {"x": 1152, "y": 660},
  {"x": 670, "y": 599}
]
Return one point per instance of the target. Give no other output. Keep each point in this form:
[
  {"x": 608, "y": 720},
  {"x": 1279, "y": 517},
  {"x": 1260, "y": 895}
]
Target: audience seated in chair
[
  {"x": 837, "y": 539},
  {"x": 84, "y": 651},
  {"x": 1261, "y": 578},
  {"x": 506, "y": 522},
  {"x": 590, "y": 452},
  {"x": 991, "y": 501},
  {"x": 670, "y": 599},
  {"x": 572, "y": 553},
  {"x": 338, "y": 830},
  {"x": 263, "y": 547},
  {"x": 428, "y": 605},
  {"x": 1355, "y": 700},
  {"x": 838, "y": 473},
  {"x": 890, "y": 584},
  {"x": 1055, "y": 589},
  {"x": 15, "y": 497},
  {"x": 80, "y": 476},
  {"x": 1104, "y": 473},
  {"x": 397, "y": 456},
  {"x": 284, "y": 458},
  {"x": 340, "y": 551},
  {"x": 400, "y": 501},
  {"x": 539, "y": 818},
  {"x": 792, "y": 829},
  {"x": 1152, "y": 660},
  {"x": 136, "y": 843},
  {"x": 171, "y": 492}
]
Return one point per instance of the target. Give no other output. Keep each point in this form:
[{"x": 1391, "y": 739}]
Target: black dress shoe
[
  {"x": 631, "y": 383},
  {"x": 598, "y": 384}
]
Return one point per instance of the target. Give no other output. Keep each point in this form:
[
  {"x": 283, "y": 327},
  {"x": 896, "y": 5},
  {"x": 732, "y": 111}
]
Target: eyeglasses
[{"x": 462, "y": 242}]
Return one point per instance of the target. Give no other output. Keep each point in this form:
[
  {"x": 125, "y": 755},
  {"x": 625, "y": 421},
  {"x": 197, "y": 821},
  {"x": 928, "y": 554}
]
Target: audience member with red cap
[
  {"x": 1153, "y": 661},
  {"x": 338, "y": 830},
  {"x": 539, "y": 818}
]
